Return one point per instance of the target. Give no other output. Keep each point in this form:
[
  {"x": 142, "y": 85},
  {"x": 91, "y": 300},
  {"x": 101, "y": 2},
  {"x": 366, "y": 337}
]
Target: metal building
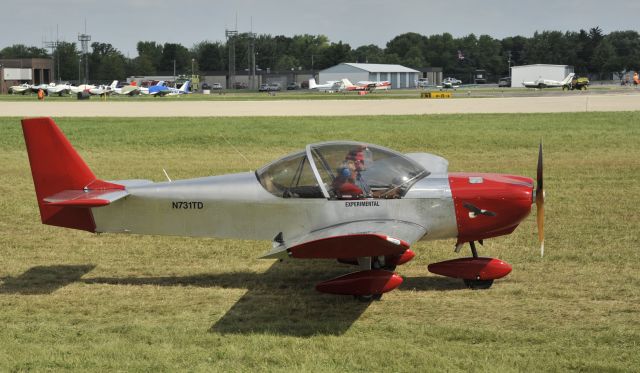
[
  {"x": 529, "y": 73},
  {"x": 398, "y": 75},
  {"x": 25, "y": 70}
]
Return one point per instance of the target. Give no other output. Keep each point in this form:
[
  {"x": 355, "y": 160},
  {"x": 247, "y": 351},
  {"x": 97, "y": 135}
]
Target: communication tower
[
  {"x": 231, "y": 45},
  {"x": 84, "y": 40}
]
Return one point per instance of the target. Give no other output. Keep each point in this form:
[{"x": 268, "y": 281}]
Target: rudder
[{"x": 57, "y": 167}]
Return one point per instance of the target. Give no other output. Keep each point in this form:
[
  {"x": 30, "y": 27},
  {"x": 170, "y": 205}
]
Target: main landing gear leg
[
  {"x": 476, "y": 284},
  {"x": 367, "y": 263}
]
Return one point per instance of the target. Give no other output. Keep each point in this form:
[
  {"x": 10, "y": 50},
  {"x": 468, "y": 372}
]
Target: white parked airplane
[
  {"x": 22, "y": 89},
  {"x": 81, "y": 88},
  {"x": 103, "y": 89},
  {"x": 183, "y": 90},
  {"x": 58, "y": 89},
  {"x": 330, "y": 86},
  {"x": 548, "y": 83}
]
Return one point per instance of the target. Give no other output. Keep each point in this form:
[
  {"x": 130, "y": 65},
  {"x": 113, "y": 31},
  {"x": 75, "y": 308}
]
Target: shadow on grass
[
  {"x": 437, "y": 283},
  {"x": 44, "y": 279},
  {"x": 282, "y": 300}
]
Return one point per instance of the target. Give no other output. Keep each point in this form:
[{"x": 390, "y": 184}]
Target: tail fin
[
  {"x": 347, "y": 83},
  {"x": 312, "y": 83},
  {"x": 568, "y": 78},
  {"x": 185, "y": 87},
  {"x": 114, "y": 84},
  {"x": 56, "y": 167}
]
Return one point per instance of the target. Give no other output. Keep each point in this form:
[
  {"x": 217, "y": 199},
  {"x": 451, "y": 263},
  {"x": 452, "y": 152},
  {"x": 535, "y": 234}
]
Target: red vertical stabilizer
[{"x": 56, "y": 167}]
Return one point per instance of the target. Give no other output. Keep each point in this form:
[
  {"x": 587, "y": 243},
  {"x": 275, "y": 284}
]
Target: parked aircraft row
[
  {"x": 60, "y": 89},
  {"x": 346, "y": 85}
]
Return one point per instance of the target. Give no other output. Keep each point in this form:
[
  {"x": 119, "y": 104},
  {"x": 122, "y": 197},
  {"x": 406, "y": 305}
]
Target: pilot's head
[{"x": 358, "y": 157}]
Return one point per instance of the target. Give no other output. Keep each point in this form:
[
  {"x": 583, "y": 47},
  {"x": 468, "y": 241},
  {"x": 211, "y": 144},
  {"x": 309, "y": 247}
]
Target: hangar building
[
  {"x": 529, "y": 73},
  {"x": 25, "y": 70},
  {"x": 398, "y": 75}
]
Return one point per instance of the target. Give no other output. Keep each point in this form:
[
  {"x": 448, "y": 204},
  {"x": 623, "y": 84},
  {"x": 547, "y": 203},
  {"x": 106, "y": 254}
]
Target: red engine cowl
[
  {"x": 471, "y": 268},
  {"x": 506, "y": 199},
  {"x": 361, "y": 283}
]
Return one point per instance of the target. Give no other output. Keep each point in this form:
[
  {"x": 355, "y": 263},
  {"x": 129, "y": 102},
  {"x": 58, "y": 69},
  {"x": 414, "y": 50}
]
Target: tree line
[{"x": 591, "y": 52}]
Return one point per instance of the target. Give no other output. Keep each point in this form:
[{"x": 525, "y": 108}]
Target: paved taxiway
[{"x": 573, "y": 103}]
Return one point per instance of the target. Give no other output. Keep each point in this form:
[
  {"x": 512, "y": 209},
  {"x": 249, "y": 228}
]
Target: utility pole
[
  {"x": 55, "y": 56},
  {"x": 251, "y": 56}
]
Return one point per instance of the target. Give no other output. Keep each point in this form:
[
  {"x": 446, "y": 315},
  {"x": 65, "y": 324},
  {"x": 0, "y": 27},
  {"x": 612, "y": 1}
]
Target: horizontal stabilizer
[{"x": 80, "y": 198}]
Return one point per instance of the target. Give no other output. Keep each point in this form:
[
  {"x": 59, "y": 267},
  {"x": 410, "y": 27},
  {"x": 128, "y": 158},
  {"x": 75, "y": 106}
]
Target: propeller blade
[{"x": 540, "y": 201}]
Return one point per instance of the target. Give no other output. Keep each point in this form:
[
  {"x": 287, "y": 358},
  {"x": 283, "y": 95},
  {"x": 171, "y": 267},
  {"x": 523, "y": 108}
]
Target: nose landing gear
[{"x": 476, "y": 272}]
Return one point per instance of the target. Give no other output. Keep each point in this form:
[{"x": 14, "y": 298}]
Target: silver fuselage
[{"x": 237, "y": 206}]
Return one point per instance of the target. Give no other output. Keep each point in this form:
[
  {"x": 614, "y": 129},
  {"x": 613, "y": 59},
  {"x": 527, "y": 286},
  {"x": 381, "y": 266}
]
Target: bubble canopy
[{"x": 341, "y": 170}]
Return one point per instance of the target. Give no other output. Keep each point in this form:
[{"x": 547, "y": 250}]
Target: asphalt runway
[{"x": 351, "y": 107}]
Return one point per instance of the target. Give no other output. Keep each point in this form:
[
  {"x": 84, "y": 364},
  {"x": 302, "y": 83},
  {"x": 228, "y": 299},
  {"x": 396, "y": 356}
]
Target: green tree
[
  {"x": 287, "y": 62},
  {"x": 178, "y": 53},
  {"x": 23, "y": 51},
  {"x": 151, "y": 53},
  {"x": 210, "y": 56},
  {"x": 369, "y": 54},
  {"x": 67, "y": 57},
  {"x": 106, "y": 63}
]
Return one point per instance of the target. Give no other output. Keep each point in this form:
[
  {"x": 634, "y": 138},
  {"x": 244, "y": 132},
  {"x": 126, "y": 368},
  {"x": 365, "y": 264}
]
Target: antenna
[
  {"x": 167, "y": 175},
  {"x": 54, "y": 54}
]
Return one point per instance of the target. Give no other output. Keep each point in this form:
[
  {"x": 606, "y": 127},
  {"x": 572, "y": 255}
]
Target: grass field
[{"x": 81, "y": 302}]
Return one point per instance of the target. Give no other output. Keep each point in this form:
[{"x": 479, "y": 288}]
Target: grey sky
[{"x": 356, "y": 22}]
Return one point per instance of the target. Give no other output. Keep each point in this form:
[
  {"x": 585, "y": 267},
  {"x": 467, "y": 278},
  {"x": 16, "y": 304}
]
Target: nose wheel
[{"x": 476, "y": 272}]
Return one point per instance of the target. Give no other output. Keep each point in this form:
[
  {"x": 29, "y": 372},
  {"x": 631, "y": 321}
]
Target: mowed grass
[{"x": 75, "y": 301}]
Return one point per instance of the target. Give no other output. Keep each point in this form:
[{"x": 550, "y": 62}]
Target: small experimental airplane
[
  {"x": 22, "y": 89},
  {"x": 549, "y": 83},
  {"x": 81, "y": 88},
  {"x": 450, "y": 83},
  {"x": 357, "y": 203},
  {"x": 330, "y": 86},
  {"x": 59, "y": 89},
  {"x": 104, "y": 90},
  {"x": 375, "y": 85},
  {"x": 128, "y": 90},
  {"x": 183, "y": 90},
  {"x": 365, "y": 85}
]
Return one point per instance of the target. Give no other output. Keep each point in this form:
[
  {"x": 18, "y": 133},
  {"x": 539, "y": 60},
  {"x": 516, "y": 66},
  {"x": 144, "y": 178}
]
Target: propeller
[{"x": 540, "y": 201}]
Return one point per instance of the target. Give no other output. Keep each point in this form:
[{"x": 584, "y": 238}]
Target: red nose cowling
[{"x": 503, "y": 202}]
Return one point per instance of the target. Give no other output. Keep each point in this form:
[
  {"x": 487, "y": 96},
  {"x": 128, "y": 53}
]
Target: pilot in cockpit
[{"x": 350, "y": 183}]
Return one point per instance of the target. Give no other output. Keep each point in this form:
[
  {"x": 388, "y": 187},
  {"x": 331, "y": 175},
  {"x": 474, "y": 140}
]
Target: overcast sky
[{"x": 356, "y": 22}]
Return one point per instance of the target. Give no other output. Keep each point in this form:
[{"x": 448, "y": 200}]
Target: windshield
[
  {"x": 353, "y": 170},
  {"x": 341, "y": 170}
]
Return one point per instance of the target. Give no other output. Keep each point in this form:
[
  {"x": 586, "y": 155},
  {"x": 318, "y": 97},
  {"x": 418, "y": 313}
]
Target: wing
[{"x": 350, "y": 240}]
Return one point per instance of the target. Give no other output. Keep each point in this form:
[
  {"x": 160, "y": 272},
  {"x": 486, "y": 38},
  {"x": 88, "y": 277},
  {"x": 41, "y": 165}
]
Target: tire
[{"x": 478, "y": 284}]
